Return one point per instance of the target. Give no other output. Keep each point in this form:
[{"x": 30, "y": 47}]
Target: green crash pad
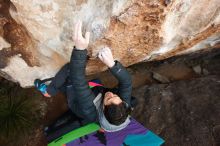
[{"x": 75, "y": 134}]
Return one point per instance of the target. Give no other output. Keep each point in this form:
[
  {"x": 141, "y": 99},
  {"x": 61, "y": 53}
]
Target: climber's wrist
[
  {"x": 78, "y": 48},
  {"x": 111, "y": 64}
]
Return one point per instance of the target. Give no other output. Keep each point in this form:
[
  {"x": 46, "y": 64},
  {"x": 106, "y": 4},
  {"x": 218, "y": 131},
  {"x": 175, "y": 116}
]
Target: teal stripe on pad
[{"x": 148, "y": 139}]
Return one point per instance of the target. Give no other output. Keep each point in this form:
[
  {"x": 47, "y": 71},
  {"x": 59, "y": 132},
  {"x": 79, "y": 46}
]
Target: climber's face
[{"x": 111, "y": 98}]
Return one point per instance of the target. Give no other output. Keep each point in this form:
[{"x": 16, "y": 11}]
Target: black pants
[{"x": 62, "y": 83}]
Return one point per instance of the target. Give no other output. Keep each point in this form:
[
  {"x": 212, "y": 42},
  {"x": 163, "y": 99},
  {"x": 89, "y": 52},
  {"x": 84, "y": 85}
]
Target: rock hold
[
  {"x": 160, "y": 78},
  {"x": 197, "y": 69}
]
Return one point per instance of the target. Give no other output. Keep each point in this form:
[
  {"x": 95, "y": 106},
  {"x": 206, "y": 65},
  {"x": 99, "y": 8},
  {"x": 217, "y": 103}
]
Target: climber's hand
[
  {"x": 105, "y": 55},
  {"x": 81, "y": 43}
]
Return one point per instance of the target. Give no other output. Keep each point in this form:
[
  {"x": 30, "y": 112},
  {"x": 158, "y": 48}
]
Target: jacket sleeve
[
  {"x": 125, "y": 82},
  {"x": 82, "y": 92}
]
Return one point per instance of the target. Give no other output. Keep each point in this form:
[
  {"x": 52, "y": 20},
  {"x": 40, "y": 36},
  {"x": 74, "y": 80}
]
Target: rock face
[
  {"x": 36, "y": 35},
  {"x": 183, "y": 113}
]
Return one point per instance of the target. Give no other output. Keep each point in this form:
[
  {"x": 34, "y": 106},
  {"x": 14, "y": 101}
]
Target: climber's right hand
[
  {"x": 105, "y": 55},
  {"x": 81, "y": 43}
]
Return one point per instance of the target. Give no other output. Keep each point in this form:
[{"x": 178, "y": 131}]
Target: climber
[{"x": 109, "y": 107}]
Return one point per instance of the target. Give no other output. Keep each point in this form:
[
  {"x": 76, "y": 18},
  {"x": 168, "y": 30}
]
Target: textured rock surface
[
  {"x": 36, "y": 35},
  {"x": 183, "y": 113}
]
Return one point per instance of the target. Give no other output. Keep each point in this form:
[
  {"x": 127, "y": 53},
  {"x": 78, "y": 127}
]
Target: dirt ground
[
  {"x": 184, "y": 113},
  {"x": 179, "y": 99}
]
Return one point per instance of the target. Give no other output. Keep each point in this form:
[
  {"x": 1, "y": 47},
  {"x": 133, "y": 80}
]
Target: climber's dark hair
[{"x": 117, "y": 114}]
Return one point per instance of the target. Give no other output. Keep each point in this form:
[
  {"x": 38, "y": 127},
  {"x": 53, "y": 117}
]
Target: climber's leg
[
  {"x": 59, "y": 81},
  {"x": 57, "y": 84}
]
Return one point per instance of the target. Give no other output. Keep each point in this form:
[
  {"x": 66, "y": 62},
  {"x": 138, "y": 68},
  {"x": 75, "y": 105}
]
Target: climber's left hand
[{"x": 81, "y": 43}]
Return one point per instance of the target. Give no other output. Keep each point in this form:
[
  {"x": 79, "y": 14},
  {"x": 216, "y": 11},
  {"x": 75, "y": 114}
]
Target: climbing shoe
[{"x": 41, "y": 86}]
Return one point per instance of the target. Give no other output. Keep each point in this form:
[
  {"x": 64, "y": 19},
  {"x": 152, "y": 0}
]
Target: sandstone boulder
[{"x": 36, "y": 35}]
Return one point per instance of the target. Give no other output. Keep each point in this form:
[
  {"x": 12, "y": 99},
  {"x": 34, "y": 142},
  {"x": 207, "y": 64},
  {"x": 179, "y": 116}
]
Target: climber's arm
[
  {"x": 125, "y": 82},
  {"x": 81, "y": 89},
  {"x": 116, "y": 68}
]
